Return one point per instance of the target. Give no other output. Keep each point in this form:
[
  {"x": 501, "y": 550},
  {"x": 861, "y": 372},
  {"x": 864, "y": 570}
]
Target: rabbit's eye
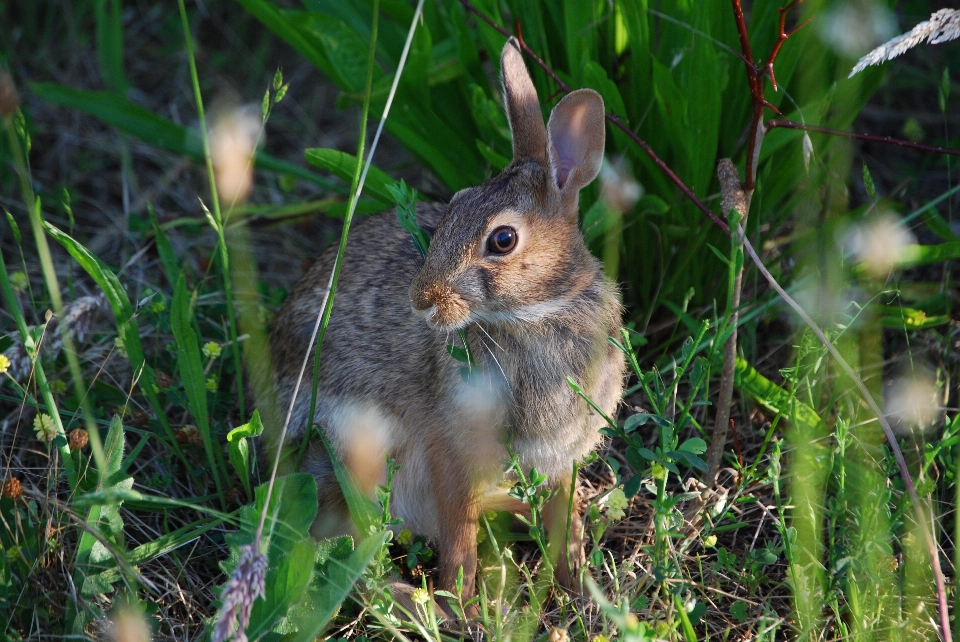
[{"x": 502, "y": 241}]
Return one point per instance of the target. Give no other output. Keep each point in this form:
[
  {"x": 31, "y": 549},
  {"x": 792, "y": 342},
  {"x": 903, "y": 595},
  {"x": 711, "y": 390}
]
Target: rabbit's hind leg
[{"x": 565, "y": 533}]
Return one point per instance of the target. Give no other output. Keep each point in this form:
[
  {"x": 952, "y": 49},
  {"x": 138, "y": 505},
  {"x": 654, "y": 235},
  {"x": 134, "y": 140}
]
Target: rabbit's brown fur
[{"x": 534, "y": 316}]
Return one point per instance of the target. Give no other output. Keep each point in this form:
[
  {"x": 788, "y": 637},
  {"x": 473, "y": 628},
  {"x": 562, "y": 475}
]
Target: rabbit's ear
[
  {"x": 523, "y": 107},
  {"x": 577, "y": 136}
]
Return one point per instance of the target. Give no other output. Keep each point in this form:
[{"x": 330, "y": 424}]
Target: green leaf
[
  {"x": 171, "y": 266},
  {"x": 342, "y": 165},
  {"x": 458, "y": 353},
  {"x": 773, "y": 397},
  {"x": 239, "y": 448},
  {"x": 96, "y": 557},
  {"x": 693, "y": 445},
  {"x": 188, "y": 358},
  {"x": 336, "y": 576}
]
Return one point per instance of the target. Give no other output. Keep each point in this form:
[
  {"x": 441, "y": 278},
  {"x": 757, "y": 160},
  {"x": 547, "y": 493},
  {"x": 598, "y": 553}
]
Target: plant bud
[
  {"x": 78, "y": 439},
  {"x": 12, "y": 488}
]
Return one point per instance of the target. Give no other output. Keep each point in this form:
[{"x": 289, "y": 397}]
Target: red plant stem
[{"x": 886, "y": 140}]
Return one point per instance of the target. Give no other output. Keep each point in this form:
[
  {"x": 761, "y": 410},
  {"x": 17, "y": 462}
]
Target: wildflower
[
  {"x": 616, "y": 504},
  {"x": 405, "y": 537},
  {"x": 158, "y": 306},
  {"x": 12, "y": 488},
  {"x": 4, "y": 363},
  {"x": 246, "y": 584},
  {"x": 19, "y": 281},
  {"x": 420, "y": 596},
  {"x": 213, "y": 383},
  {"x": 58, "y": 387},
  {"x": 211, "y": 349},
  {"x": 558, "y": 635},
  {"x": 78, "y": 439},
  {"x": 46, "y": 429},
  {"x": 710, "y": 541},
  {"x": 600, "y": 638}
]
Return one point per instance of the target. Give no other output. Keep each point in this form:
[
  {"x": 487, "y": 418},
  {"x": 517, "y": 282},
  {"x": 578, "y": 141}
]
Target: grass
[{"x": 809, "y": 531}]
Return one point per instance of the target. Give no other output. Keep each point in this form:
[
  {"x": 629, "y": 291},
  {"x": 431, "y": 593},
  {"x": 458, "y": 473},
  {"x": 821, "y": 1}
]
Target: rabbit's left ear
[{"x": 576, "y": 138}]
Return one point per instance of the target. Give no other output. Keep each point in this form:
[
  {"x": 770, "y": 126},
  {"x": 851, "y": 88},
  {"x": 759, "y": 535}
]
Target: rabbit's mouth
[{"x": 440, "y": 318}]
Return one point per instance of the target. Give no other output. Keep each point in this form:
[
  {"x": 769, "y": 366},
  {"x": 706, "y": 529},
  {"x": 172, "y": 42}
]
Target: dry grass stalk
[{"x": 943, "y": 26}]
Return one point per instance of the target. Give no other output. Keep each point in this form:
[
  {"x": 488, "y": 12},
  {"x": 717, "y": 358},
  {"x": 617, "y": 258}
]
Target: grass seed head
[{"x": 246, "y": 584}]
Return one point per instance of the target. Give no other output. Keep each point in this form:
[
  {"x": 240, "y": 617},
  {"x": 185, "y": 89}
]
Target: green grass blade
[{"x": 191, "y": 373}]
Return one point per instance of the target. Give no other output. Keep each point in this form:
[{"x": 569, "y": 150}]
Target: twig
[{"x": 886, "y": 140}]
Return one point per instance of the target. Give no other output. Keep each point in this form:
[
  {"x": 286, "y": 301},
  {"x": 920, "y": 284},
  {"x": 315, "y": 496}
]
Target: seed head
[
  {"x": 78, "y": 439},
  {"x": 246, "y": 584},
  {"x": 12, "y": 488}
]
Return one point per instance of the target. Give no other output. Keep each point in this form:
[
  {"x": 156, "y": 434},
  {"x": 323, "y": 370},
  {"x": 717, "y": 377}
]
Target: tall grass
[{"x": 809, "y": 505}]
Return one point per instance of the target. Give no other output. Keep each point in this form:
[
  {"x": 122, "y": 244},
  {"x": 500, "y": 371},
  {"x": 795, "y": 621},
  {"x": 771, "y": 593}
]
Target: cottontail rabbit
[{"x": 507, "y": 263}]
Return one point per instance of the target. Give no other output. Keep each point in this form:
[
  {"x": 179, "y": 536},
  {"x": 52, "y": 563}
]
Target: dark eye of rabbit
[{"x": 502, "y": 241}]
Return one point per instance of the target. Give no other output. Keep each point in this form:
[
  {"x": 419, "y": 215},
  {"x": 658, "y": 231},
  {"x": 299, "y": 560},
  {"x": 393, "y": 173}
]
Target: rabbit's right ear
[{"x": 523, "y": 107}]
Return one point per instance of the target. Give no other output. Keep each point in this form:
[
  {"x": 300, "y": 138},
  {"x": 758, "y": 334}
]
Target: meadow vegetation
[{"x": 168, "y": 170}]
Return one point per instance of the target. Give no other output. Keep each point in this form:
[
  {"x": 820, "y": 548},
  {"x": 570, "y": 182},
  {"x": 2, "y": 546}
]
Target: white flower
[
  {"x": 46, "y": 429},
  {"x": 616, "y": 504}
]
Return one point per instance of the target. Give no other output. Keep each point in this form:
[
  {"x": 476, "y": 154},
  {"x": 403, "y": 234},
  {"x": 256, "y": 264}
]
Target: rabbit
[{"x": 508, "y": 265}]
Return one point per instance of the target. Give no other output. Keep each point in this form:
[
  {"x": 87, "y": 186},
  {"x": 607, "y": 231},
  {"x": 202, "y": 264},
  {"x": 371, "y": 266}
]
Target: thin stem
[
  {"x": 225, "y": 264},
  {"x": 215, "y": 203},
  {"x": 886, "y": 140}
]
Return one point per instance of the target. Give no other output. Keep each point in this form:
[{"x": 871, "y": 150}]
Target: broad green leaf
[
  {"x": 239, "y": 448},
  {"x": 336, "y": 577}
]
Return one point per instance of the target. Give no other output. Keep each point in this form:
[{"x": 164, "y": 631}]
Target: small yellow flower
[
  {"x": 158, "y": 306},
  {"x": 19, "y": 281},
  {"x": 4, "y": 363},
  {"x": 710, "y": 541},
  {"x": 420, "y": 596},
  {"x": 213, "y": 383},
  {"x": 600, "y": 638},
  {"x": 211, "y": 349},
  {"x": 46, "y": 429},
  {"x": 405, "y": 537},
  {"x": 616, "y": 504},
  {"x": 658, "y": 471}
]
